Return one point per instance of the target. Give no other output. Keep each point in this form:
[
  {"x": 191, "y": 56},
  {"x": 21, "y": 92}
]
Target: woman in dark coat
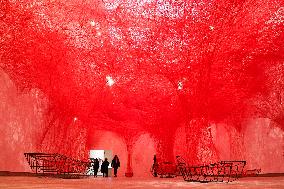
[
  {"x": 115, "y": 164},
  {"x": 104, "y": 168}
]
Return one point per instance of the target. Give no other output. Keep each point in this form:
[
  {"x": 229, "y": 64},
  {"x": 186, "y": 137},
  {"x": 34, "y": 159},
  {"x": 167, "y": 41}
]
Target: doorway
[{"x": 101, "y": 155}]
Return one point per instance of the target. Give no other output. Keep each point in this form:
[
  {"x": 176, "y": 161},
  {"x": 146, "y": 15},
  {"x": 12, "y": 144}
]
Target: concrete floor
[{"x": 18, "y": 182}]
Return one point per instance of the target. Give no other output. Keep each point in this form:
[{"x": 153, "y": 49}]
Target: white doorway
[{"x": 101, "y": 155}]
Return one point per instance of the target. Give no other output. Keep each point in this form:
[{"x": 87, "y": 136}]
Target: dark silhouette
[
  {"x": 155, "y": 166},
  {"x": 104, "y": 168},
  {"x": 96, "y": 166},
  {"x": 115, "y": 164}
]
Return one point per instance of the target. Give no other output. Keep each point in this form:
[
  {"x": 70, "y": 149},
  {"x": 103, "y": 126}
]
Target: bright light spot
[
  {"x": 99, "y": 33},
  {"x": 75, "y": 119},
  {"x": 211, "y": 27},
  {"x": 110, "y": 81},
  {"x": 180, "y": 86},
  {"x": 93, "y": 23}
]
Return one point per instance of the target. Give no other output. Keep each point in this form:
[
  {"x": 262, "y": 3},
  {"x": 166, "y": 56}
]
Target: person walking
[
  {"x": 115, "y": 163},
  {"x": 104, "y": 168}
]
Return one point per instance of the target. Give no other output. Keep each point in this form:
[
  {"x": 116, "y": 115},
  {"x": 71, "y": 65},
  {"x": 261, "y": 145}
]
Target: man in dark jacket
[
  {"x": 115, "y": 164},
  {"x": 104, "y": 168}
]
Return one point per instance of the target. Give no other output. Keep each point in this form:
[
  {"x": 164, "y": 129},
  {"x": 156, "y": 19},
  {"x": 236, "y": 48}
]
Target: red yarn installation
[{"x": 134, "y": 67}]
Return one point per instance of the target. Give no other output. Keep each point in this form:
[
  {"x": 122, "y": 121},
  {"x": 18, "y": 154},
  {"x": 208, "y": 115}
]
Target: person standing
[
  {"x": 115, "y": 163},
  {"x": 104, "y": 168},
  {"x": 155, "y": 166},
  {"x": 96, "y": 166}
]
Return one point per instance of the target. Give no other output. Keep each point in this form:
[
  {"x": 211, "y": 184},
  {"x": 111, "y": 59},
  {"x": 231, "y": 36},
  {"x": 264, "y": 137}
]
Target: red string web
[{"x": 146, "y": 66}]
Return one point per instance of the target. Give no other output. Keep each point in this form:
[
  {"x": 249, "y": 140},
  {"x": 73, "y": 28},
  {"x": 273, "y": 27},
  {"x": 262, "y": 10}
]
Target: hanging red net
[{"x": 146, "y": 66}]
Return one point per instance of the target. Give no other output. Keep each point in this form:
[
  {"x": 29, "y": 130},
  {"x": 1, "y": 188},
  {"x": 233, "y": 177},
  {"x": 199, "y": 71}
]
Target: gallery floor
[{"x": 18, "y": 182}]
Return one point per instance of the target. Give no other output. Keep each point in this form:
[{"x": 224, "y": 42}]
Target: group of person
[{"x": 115, "y": 164}]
